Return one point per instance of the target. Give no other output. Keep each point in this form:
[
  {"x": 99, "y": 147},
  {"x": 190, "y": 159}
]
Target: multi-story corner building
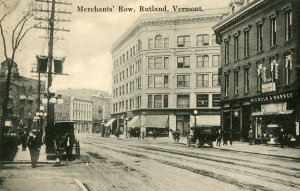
[
  {"x": 78, "y": 110},
  {"x": 260, "y": 67},
  {"x": 23, "y": 98},
  {"x": 165, "y": 67}
]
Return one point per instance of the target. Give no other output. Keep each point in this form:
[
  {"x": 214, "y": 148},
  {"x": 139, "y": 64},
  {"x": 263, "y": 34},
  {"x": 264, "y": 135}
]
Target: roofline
[
  {"x": 138, "y": 24},
  {"x": 238, "y": 13}
]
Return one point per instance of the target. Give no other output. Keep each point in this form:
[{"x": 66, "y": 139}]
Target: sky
[{"x": 87, "y": 46}]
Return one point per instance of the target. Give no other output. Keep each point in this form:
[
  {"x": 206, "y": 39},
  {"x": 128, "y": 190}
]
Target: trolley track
[{"x": 139, "y": 152}]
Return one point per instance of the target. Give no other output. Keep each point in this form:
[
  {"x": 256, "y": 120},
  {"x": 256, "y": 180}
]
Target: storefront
[{"x": 273, "y": 112}]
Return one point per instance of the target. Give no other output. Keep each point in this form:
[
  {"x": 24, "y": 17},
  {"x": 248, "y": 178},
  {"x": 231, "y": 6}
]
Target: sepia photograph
[{"x": 149, "y": 95}]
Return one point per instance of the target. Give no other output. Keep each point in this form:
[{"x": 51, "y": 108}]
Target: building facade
[
  {"x": 260, "y": 67},
  {"x": 23, "y": 98},
  {"x": 81, "y": 113},
  {"x": 101, "y": 103},
  {"x": 165, "y": 67},
  {"x": 78, "y": 110}
]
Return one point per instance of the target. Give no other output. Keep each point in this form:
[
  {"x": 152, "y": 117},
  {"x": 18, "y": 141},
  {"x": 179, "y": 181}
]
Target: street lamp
[
  {"x": 50, "y": 99},
  {"x": 126, "y": 130},
  {"x": 195, "y": 115}
]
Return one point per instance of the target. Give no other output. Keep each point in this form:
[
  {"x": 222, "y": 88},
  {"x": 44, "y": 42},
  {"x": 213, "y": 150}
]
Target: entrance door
[{"x": 183, "y": 123}]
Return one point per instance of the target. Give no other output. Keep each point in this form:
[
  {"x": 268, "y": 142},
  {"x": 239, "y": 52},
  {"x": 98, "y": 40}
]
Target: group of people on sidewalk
[{"x": 225, "y": 136}]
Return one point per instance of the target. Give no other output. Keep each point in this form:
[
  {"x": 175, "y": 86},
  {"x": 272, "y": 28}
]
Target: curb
[
  {"x": 27, "y": 162},
  {"x": 257, "y": 153},
  {"x": 82, "y": 187}
]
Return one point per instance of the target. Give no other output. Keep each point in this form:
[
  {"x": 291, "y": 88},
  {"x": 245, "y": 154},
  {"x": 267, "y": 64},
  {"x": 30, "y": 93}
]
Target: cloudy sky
[{"x": 87, "y": 47}]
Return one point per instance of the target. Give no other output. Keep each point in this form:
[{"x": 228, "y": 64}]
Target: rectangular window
[
  {"x": 183, "y": 41},
  {"x": 202, "y": 80},
  {"x": 259, "y": 36},
  {"x": 166, "y": 43},
  {"x": 215, "y": 80},
  {"x": 183, "y": 101},
  {"x": 150, "y": 63},
  {"x": 158, "y": 63},
  {"x": 288, "y": 67},
  {"x": 246, "y": 43},
  {"x": 166, "y": 101},
  {"x": 150, "y": 81},
  {"x": 183, "y": 62},
  {"x": 157, "y": 101},
  {"x": 133, "y": 50},
  {"x": 213, "y": 39},
  {"x": 150, "y": 101},
  {"x": 226, "y": 44},
  {"x": 246, "y": 80},
  {"x": 166, "y": 81},
  {"x": 202, "y": 40},
  {"x": 216, "y": 99},
  {"x": 202, "y": 61},
  {"x": 288, "y": 25},
  {"x": 150, "y": 44},
  {"x": 236, "y": 48},
  {"x": 216, "y": 61},
  {"x": 166, "y": 62},
  {"x": 158, "y": 81},
  {"x": 274, "y": 69},
  {"x": 259, "y": 76},
  {"x": 236, "y": 82},
  {"x": 202, "y": 100},
  {"x": 226, "y": 84},
  {"x": 183, "y": 81},
  {"x": 273, "y": 32}
]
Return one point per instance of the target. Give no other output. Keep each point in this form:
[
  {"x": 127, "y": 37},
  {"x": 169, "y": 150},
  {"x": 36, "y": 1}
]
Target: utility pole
[{"x": 49, "y": 130}]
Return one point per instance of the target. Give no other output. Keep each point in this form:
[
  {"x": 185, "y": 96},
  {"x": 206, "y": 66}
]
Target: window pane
[
  {"x": 202, "y": 100},
  {"x": 157, "y": 101},
  {"x": 150, "y": 81},
  {"x": 149, "y": 101},
  {"x": 158, "y": 81},
  {"x": 166, "y": 43},
  {"x": 166, "y": 63},
  {"x": 158, "y": 41},
  {"x": 183, "y": 101},
  {"x": 150, "y": 63},
  {"x": 158, "y": 63}
]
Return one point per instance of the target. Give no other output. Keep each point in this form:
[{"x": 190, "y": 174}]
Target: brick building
[{"x": 259, "y": 73}]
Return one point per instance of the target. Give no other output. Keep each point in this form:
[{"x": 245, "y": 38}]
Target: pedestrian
[
  {"x": 143, "y": 134},
  {"x": 250, "y": 136},
  {"x": 225, "y": 137},
  {"x": 230, "y": 137},
  {"x": 69, "y": 146},
  {"x": 282, "y": 138},
  {"x": 34, "y": 147},
  {"x": 219, "y": 137},
  {"x": 24, "y": 137},
  {"x": 154, "y": 134}
]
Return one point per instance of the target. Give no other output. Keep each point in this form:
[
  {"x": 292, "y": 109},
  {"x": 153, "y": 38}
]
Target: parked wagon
[
  {"x": 202, "y": 135},
  {"x": 65, "y": 142}
]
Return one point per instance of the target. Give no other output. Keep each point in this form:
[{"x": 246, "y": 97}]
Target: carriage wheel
[
  {"x": 188, "y": 143},
  {"x": 197, "y": 143}
]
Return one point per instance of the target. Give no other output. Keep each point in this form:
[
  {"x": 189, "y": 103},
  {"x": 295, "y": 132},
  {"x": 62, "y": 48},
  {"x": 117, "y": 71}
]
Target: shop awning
[
  {"x": 208, "y": 120},
  {"x": 272, "y": 113},
  {"x": 157, "y": 121},
  {"x": 110, "y": 122},
  {"x": 134, "y": 122}
]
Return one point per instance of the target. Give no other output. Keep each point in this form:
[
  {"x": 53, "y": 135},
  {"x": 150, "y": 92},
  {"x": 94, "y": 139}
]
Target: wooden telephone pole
[{"x": 49, "y": 129}]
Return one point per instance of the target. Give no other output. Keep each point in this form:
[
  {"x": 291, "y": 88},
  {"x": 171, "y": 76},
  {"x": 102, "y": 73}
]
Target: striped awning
[
  {"x": 110, "y": 122},
  {"x": 134, "y": 122},
  {"x": 157, "y": 121}
]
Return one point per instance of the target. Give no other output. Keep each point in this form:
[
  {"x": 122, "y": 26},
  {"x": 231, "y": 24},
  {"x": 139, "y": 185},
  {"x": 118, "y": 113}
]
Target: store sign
[
  {"x": 268, "y": 87},
  {"x": 273, "y": 107},
  {"x": 272, "y": 97}
]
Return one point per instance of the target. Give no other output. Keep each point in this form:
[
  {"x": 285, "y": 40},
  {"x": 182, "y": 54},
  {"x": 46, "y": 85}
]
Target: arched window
[{"x": 158, "y": 41}]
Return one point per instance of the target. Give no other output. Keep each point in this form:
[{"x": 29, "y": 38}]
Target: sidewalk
[
  {"x": 262, "y": 149},
  {"x": 24, "y": 156}
]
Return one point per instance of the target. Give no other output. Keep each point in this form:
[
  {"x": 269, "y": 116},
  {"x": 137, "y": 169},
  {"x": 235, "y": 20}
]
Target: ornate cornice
[{"x": 169, "y": 19}]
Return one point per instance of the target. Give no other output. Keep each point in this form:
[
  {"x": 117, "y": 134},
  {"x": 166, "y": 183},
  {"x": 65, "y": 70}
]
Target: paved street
[{"x": 134, "y": 164}]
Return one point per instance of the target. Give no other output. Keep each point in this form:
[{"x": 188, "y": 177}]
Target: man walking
[{"x": 34, "y": 147}]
